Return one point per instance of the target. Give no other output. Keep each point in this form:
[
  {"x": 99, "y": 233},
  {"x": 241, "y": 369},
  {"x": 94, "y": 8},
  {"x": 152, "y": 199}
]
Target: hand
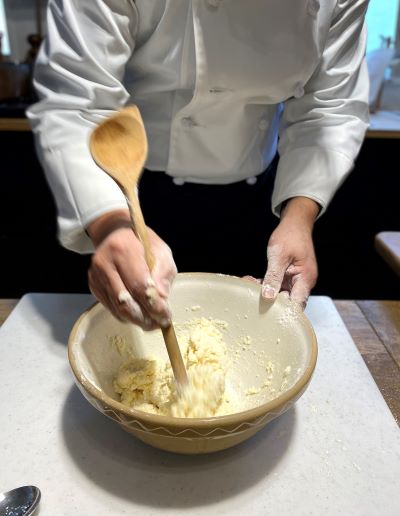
[
  {"x": 119, "y": 277},
  {"x": 292, "y": 266}
]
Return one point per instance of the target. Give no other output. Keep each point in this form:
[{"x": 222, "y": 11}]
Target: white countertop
[{"x": 336, "y": 453}]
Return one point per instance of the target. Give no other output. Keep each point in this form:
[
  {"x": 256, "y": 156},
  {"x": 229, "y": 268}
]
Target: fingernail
[
  {"x": 124, "y": 296},
  {"x": 268, "y": 292},
  {"x": 152, "y": 295},
  {"x": 150, "y": 282}
]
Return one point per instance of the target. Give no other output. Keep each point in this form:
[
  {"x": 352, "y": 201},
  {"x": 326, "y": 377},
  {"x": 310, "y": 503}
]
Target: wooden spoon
[{"x": 119, "y": 146}]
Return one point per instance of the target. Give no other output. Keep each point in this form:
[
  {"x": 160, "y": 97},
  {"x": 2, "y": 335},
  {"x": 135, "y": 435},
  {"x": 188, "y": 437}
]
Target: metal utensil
[{"x": 21, "y": 501}]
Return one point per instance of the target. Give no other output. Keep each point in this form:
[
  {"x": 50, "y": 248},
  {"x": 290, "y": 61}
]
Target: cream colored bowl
[{"x": 279, "y": 333}]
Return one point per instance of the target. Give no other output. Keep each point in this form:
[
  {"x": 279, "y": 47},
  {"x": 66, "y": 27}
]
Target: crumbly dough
[{"x": 148, "y": 385}]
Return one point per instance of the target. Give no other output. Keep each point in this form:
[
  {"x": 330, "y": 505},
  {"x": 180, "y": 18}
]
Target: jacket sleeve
[
  {"x": 322, "y": 131},
  {"x": 78, "y": 77}
]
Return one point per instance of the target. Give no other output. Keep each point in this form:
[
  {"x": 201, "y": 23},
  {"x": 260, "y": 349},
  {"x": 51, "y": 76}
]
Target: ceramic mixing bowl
[{"x": 279, "y": 333}]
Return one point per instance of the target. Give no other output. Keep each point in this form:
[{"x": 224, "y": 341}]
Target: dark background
[{"x": 368, "y": 202}]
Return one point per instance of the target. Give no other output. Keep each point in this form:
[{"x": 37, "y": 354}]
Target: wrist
[
  {"x": 300, "y": 210},
  {"x": 104, "y": 225}
]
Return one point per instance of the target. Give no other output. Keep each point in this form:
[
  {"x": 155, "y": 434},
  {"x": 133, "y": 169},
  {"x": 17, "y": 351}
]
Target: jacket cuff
[
  {"x": 73, "y": 236},
  {"x": 312, "y": 172},
  {"x": 82, "y": 190}
]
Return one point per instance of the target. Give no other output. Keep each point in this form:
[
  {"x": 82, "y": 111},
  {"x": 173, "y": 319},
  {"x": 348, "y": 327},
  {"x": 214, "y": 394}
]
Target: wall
[
  {"x": 32, "y": 261},
  {"x": 21, "y": 21}
]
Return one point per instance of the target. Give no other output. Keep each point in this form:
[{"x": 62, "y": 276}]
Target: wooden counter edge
[
  {"x": 382, "y": 366},
  {"x": 6, "y": 307}
]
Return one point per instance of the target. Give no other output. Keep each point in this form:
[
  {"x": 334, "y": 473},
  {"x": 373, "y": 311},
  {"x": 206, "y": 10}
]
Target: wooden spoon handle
[
  {"x": 175, "y": 355},
  {"x": 169, "y": 335},
  {"x": 139, "y": 226}
]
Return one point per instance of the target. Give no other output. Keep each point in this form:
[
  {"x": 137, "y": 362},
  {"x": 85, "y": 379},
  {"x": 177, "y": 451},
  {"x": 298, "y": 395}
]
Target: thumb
[{"x": 277, "y": 265}]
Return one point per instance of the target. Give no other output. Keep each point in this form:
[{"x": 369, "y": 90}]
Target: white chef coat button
[
  {"x": 251, "y": 180},
  {"x": 187, "y": 121},
  {"x": 213, "y": 3},
  {"x": 299, "y": 90},
  {"x": 313, "y": 7},
  {"x": 263, "y": 124},
  {"x": 178, "y": 181}
]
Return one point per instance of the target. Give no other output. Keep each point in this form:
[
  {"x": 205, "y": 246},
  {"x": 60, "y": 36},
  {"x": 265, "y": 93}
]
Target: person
[{"x": 221, "y": 86}]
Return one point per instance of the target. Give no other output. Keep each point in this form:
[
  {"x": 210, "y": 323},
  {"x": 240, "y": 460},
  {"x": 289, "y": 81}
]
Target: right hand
[{"x": 119, "y": 277}]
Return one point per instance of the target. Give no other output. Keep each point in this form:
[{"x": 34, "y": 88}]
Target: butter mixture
[
  {"x": 219, "y": 382},
  {"x": 148, "y": 384}
]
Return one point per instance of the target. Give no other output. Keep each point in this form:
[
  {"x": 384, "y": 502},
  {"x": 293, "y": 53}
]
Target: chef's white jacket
[{"x": 216, "y": 81}]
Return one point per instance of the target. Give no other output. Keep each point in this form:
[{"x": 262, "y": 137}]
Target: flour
[{"x": 290, "y": 316}]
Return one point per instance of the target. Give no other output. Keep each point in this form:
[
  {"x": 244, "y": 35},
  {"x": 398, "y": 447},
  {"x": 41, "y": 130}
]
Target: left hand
[{"x": 292, "y": 266}]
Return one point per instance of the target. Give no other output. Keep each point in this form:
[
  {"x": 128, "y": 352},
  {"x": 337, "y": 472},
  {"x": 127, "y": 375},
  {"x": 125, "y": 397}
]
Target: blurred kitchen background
[{"x": 367, "y": 204}]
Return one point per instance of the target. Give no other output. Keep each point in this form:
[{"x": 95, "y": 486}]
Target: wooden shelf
[
  {"x": 373, "y": 133},
  {"x": 21, "y": 124},
  {"x": 14, "y": 124}
]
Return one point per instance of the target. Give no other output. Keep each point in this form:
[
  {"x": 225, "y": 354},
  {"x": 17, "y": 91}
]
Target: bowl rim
[{"x": 196, "y": 423}]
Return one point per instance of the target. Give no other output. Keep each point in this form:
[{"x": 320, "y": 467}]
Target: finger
[
  {"x": 136, "y": 278},
  {"x": 164, "y": 271},
  {"x": 108, "y": 287},
  {"x": 277, "y": 265},
  {"x": 300, "y": 291},
  {"x": 135, "y": 312},
  {"x": 97, "y": 289},
  {"x": 126, "y": 306},
  {"x": 98, "y": 295},
  {"x": 132, "y": 274},
  {"x": 287, "y": 283},
  {"x": 252, "y": 279}
]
